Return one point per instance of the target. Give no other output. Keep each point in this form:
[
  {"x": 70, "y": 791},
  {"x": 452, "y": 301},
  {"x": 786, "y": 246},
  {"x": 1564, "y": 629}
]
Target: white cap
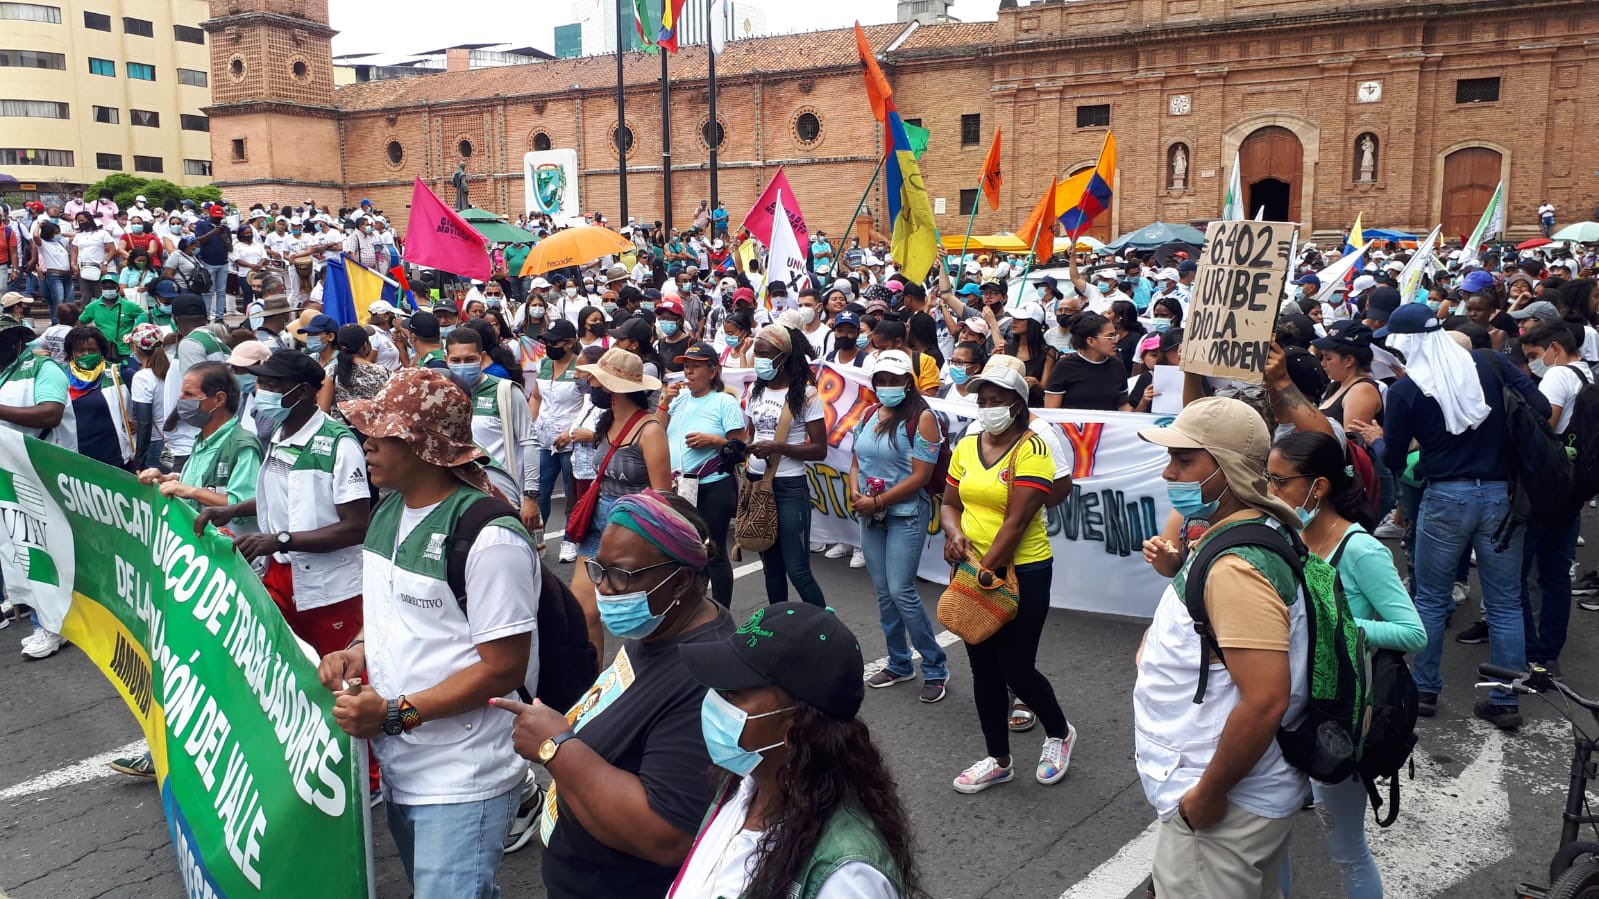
[
  {"x": 1364, "y": 282},
  {"x": 845, "y": 285},
  {"x": 1029, "y": 311},
  {"x": 973, "y": 268},
  {"x": 716, "y": 244},
  {"x": 380, "y": 307},
  {"x": 1395, "y": 266},
  {"x": 540, "y": 284},
  {"x": 139, "y": 198},
  {"x": 1167, "y": 274},
  {"x": 892, "y": 362},
  {"x": 727, "y": 284}
]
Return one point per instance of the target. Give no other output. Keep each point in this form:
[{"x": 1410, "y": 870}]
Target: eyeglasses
[
  {"x": 1280, "y": 481},
  {"x": 620, "y": 580}
]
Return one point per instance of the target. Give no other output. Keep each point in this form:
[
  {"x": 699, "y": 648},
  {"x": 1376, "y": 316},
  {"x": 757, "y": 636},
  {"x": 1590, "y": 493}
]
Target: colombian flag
[
  {"x": 1357, "y": 238},
  {"x": 671, "y": 16},
  {"x": 1099, "y": 184},
  {"x": 914, "y": 244}
]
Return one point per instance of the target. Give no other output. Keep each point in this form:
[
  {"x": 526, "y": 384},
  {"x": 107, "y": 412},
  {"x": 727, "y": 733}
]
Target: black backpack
[
  {"x": 568, "y": 664},
  {"x": 1539, "y": 469},
  {"x": 1582, "y": 438}
]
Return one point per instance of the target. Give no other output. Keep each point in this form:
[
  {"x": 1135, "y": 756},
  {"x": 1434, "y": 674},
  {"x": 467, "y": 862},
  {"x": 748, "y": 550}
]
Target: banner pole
[
  {"x": 967, "y": 240},
  {"x": 858, "y": 207}
]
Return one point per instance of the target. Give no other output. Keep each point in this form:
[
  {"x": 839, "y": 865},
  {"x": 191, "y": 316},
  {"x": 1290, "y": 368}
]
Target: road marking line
[
  {"x": 1121, "y": 873},
  {"x": 944, "y": 638},
  {"x": 89, "y": 769}
]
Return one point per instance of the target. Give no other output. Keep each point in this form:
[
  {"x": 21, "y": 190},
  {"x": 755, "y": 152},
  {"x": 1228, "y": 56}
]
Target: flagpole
[
  {"x": 967, "y": 240},
  {"x": 859, "y": 206},
  {"x": 710, "y": 64},
  {"x": 666, "y": 139},
  {"x": 621, "y": 120}
]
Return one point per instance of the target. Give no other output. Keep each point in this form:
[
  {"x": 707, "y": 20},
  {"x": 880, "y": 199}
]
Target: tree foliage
[{"x": 158, "y": 192}]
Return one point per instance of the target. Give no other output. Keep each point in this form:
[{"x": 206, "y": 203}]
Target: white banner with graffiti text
[{"x": 1118, "y": 498}]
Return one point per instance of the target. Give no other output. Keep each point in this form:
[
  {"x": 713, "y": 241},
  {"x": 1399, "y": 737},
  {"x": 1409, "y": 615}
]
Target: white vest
[{"x": 1175, "y": 737}]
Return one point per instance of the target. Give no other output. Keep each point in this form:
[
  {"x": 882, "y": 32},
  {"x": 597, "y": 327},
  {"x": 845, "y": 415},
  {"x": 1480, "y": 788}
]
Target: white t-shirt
[
  {"x": 1590, "y": 344},
  {"x": 724, "y": 860},
  {"x": 93, "y": 247},
  {"x": 253, "y": 253},
  {"x": 764, "y": 412},
  {"x": 146, "y": 388},
  {"x": 388, "y": 354},
  {"x": 1560, "y": 386},
  {"x": 53, "y": 253},
  {"x": 272, "y": 491}
]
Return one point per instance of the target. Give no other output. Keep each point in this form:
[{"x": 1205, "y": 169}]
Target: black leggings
[
  {"x": 1008, "y": 659},
  {"x": 716, "y": 503}
]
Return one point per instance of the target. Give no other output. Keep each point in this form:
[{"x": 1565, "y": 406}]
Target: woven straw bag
[
  {"x": 978, "y": 602},
  {"x": 755, "y": 522}
]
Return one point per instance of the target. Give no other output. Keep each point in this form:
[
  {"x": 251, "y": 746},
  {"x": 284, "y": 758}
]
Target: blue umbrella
[{"x": 1157, "y": 235}]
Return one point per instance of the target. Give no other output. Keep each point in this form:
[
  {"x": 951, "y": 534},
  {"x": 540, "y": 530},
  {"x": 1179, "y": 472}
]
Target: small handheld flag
[{"x": 993, "y": 179}]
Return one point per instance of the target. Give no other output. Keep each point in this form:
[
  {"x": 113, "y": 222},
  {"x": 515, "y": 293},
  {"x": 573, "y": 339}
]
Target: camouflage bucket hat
[{"x": 423, "y": 407}]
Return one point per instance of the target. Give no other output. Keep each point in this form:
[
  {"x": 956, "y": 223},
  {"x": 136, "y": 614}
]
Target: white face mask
[{"x": 996, "y": 419}]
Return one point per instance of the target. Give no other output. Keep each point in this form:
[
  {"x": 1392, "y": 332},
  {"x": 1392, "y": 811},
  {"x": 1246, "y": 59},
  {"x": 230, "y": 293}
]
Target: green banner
[{"x": 264, "y": 795}]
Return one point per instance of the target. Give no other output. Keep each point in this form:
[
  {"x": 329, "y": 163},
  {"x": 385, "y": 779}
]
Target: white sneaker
[
  {"x": 857, "y": 559},
  {"x": 818, "y": 547},
  {"x": 838, "y": 550},
  {"x": 982, "y": 775},
  {"x": 527, "y": 814},
  {"x": 568, "y": 551},
  {"x": 1388, "y": 530},
  {"x": 6, "y": 607},
  {"x": 1460, "y": 593},
  {"x": 46, "y": 646},
  {"x": 32, "y": 638},
  {"x": 1056, "y": 757},
  {"x": 1580, "y": 541}
]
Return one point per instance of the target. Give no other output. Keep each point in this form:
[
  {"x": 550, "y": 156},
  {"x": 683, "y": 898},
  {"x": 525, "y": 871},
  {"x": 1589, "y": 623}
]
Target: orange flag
[
  {"x": 1039, "y": 229},
  {"x": 877, "y": 89},
  {"x": 992, "y": 177}
]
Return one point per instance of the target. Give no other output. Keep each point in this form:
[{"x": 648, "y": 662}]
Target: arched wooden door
[
  {"x": 1270, "y": 160},
  {"x": 1470, "y": 176},
  {"x": 1100, "y": 229}
]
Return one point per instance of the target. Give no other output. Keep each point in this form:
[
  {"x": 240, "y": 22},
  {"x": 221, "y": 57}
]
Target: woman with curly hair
[{"x": 809, "y": 807}]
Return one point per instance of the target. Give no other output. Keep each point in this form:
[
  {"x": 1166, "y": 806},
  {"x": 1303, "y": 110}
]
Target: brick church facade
[{"x": 1409, "y": 114}]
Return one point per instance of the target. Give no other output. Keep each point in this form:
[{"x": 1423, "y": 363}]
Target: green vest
[
  {"x": 235, "y": 441},
  {"x": 423, "y": 557},
  {"x": 207, "y": 341},
  {"x": 485, "y": 396},
  {"x": 850, "y": 836},
  {"x": 430, "y": 356}
]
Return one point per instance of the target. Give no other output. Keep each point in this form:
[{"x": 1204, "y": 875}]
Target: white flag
[
  {"x": 1491, "y": 223},
  {"x": 1232, "y": 209},
  {"x": 718, "y": 25},
  {"x": 785, "y": 261},
  {"x": 1410, "y": 277},
  {"x": 1332, "y": 277}
]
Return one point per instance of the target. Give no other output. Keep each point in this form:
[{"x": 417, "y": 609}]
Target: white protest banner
[
  {"x": 1236, "y": 294},
  {"x": 1118, "y": 498}
]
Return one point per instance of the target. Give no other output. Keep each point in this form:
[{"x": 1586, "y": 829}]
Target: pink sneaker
[
  {"x": 1056, "y": 757},
  {"x": 982, "y": 775}
]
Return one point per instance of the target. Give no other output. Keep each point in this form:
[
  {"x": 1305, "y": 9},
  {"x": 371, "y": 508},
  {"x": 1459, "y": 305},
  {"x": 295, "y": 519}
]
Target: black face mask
[
  {"x": 600, "y": 397},
  {"x": 597, "y": 329},
  {"x": 556, "y": 353},
  {"x": 1064, "y": 320}
]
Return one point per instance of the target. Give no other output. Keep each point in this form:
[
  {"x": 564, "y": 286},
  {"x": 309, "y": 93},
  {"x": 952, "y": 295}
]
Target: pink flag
[
  {"x": 759, "y": 220},
  {"x": 439, "y": 238}
]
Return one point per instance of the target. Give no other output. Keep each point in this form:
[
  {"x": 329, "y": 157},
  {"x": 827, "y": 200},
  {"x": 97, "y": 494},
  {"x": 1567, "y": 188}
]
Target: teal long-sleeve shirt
[{"x": 1375, "y": 594}]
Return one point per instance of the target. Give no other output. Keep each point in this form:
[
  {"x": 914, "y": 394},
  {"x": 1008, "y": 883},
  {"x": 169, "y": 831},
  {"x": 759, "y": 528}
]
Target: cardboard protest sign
[{"x": 1236, "y": 294}]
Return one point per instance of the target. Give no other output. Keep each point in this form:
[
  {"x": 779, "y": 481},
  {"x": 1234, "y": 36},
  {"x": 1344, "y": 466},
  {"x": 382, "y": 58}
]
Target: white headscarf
[{"x": 1447, "y": 373}]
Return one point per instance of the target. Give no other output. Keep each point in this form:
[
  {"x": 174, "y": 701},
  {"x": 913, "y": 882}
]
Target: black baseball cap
[
  {"x": 633, "y": 329},
  {"x": 188, "y": 304},
  {"x": 1305, "y": 371},
  {"x": 560, "y": 329},
  {"x": 290, "y": 365},
  {"x": 424, "y": 325},
  {"x": 698, "y": 352},
  {"x": 351, "y": 338},
  {"x": 802, "y": 648},
  {"x": 1350, "y": 334}
]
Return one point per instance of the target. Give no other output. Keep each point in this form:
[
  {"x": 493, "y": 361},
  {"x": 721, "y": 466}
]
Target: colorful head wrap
[
  {"x": 650, "y": 516},
  {"x": 777, "y": 336}
]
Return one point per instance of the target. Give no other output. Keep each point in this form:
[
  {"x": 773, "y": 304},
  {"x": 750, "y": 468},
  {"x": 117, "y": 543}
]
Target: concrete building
[
  {"x": 596, "y": 25},
  {"x": 1409, "y": 114},
  {"x": 89, "y": 88}
]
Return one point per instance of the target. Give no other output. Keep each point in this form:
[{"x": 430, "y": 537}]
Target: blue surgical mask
[
  {"x": 722, "y": 724},
  {"x": 1538, "y": 367},
  {"x": 1188, "y": 498},
  {"x": 730, "y": 340},
  {"x": 1305, "y": 515},
  {"x": 466, "y": 374},
  {"x": 1161, "y": 325},
  {"x": 890, "y": 396},
  {"x": 164, "y": 308},
  {"x": 628, "y": 615},
  {"x": 315, "y": 344},
  {"x": 444, "y": 332},
  {"x": 668, "y": 329},
  {"x": 765, "y": 369},
  {"x": 610, "y": 308},
  {"x": 863, "y": 341},
  {"x": 958, "y": 374},
  {"x": 647, "y": 307},
  {"x": 1434, "y": 304},
  {"x": 269, "y": 407},
  {"x": 246, "y": 383}
]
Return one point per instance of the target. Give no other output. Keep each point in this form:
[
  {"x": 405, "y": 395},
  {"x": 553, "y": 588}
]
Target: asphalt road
[{"x": 1482, "y": 813}]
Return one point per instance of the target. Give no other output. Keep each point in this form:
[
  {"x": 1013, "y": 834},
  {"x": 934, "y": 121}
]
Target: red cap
[
  {"x": 214, "y": 209},
  {"x": 744, "y": 294},
  {"x": 671, "y": 305}
]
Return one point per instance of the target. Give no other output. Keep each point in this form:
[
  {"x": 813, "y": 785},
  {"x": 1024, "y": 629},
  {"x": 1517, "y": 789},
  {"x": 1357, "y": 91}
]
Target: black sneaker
[
  {"x": 934, "y": 690},
  {"x": 1426, "y": 704},
  {"x": 1504, "y": 717},
  {"x": 1586, "y": 585},
  {"x": 1477, "y": 632}
]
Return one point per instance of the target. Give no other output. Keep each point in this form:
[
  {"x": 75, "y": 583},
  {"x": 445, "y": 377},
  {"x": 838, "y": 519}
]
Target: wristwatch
[
  {"x": 548, "y": 747},
  {"x": 392, "y": 725},
  {"x": 283, "y": 539}
]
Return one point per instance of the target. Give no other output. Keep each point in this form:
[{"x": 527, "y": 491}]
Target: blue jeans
[
  {"x": 551, "y": 465},
  {"x": 1551, "y": 550},
  {"x": 219, "y": 289},
  {"x": 55, "y": 287},
  {"x": 789, "y": 559},
  {"x": 893, "y": 549},
  {"x": 1457, "y": 516},
  {"x": 453, "y": 850}
]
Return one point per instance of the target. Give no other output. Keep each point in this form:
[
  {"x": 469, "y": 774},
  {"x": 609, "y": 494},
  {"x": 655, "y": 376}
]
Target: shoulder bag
[
  {"x": 581, "y": 518},
  {"x": 978, "y": 602},
  {"x": 755, "y": 522}
]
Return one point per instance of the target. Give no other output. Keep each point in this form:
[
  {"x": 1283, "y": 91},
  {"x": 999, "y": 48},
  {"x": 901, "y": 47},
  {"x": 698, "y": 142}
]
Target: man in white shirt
[{"x": 433, "y": 659}]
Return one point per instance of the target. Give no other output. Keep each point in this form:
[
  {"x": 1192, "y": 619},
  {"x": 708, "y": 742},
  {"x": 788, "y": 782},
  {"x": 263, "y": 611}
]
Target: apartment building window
[
  {"x": 96, "y": 21},
  {"x": 102, "y": 67},
  {"x": 145, "y": 118},
  {"x": 971, "y": 130},
  {"x": 198, "y": 167},
  {"x": 140, "y": 27},
  {"x": 108, "y": 162},
  {"x": 968, "y": 200},
  {"x": 1097, "y": 116},
  {"x": 147, "y": 163},
  {"x": 107, "y": 115},
  {"x": 194, "y": 122},
  {"x": 193, "y": 78},
  {"x": 32, "y": 59},
  {"x": 1477, "y": 90},
  {"x": 141, "y": 72},
  {"x": 31, "y": 12},
  {"x": 23, "y": 156},
  {"x": 188, "y": 34},
  {"x": 34, "y": 109}
]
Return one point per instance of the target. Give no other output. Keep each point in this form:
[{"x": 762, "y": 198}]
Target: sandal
[{"x": 1022, "y": 718}]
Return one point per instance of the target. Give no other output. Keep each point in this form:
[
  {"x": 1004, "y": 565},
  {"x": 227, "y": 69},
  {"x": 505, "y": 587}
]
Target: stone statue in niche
[
  {"x": 1368, "y": 158},
  {"x": 1179, "y": 168},
  {"x": 458, "y": 181}
]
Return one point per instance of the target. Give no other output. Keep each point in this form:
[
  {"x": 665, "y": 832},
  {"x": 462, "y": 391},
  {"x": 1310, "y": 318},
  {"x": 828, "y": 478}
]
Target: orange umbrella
[{"x": 574, "y": 246}]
